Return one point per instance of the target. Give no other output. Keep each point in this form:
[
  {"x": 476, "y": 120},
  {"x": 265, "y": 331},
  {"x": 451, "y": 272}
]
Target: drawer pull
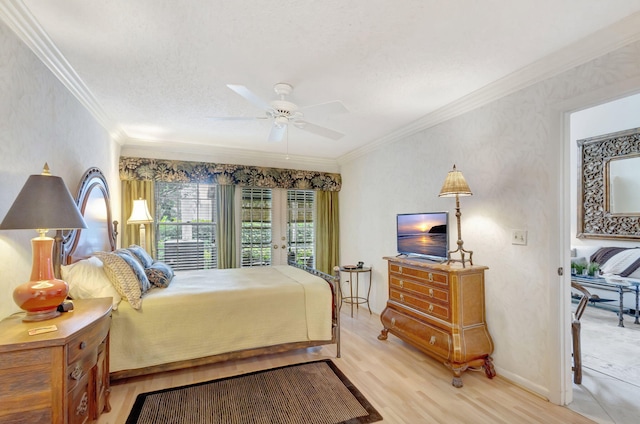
[
  {"x": 83, "y": 345},
  {"x": 430, "y": 276},
  {"x": 432, "y": 340},
  {"x": 430, "y": 307},
  {"x": 76, "y": 374},
  {"x": 430, "y": 292},
  {"x": 83, "y": 405},
  {"x": 401, "y": 284},
  {"x": 401, "y": 298},
  {"x": 393, "y": 322}
]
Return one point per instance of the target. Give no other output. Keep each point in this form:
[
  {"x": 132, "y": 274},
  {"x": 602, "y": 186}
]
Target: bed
[{"x": 201, "y": 316}]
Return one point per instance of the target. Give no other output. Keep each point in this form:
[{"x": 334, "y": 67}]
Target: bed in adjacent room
[{"x": 164, "y": 320}]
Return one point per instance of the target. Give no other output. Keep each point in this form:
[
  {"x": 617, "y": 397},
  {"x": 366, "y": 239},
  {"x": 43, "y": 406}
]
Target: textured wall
[
  {"x": 40, "y": 121},
  {"x": 514, "y": 155}
]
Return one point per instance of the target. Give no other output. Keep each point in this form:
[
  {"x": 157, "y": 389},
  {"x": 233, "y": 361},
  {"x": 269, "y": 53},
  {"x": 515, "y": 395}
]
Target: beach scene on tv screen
[{"x": 423, "y": 234}]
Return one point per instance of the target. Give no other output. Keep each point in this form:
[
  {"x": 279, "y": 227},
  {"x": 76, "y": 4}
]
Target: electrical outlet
[{"x": 519, "y": 237}]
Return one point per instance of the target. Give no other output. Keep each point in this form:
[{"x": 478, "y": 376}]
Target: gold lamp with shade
[
  {"x": 140, "y": 215},
  {"x": 43, "y": 204},
  {"x": 455, "y": 186}
]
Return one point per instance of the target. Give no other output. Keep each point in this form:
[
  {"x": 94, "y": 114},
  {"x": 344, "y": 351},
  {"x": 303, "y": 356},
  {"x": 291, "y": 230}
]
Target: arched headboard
[{"x": 94, "y": 203}]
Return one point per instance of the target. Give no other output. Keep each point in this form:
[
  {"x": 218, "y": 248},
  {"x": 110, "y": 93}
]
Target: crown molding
[
  {"x": 618, "y": 35},
  {"x": 21, "y": 21},
  {"x": 18, "y": 17},
  {"x": 167, "y": 149}
]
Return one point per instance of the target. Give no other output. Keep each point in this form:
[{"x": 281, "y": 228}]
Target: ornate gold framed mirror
[{"x": 609, "y": 186}]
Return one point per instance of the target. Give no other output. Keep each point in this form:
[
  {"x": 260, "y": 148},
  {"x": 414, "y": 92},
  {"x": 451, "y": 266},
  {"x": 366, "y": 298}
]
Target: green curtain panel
[
  {"x": 130, "y": 234},
  {"x": 327, "y": 231},
  {"x": 226, "y": 228},
  {"x": 223, "y": 174}
]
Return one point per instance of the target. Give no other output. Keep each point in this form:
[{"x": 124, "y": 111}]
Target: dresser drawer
[
  {"x": 418, "y": 333},
  {"x": 434, "y": 309},
  {"x": 77, "y": 371},
  {"x": 426, "y": 290},
  {"x": 87, "y": 340},
  {"x": 424, "y": 275}
]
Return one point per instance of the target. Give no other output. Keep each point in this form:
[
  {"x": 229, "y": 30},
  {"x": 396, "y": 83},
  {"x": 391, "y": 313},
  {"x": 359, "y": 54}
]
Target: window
[{"x": 186, "y": 225}]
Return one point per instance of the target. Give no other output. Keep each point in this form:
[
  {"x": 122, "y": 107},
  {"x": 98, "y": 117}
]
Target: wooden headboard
[{"x": 94, "y": 203}]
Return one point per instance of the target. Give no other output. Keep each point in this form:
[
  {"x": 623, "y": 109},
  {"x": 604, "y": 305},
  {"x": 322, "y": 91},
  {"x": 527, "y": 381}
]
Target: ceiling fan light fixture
[{"x": 281, "y": 121}]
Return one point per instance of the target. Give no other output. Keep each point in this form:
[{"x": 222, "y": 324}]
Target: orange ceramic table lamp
[{"x": 43, "y": 204}]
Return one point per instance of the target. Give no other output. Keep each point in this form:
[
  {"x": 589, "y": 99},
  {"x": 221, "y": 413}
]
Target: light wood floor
[{"x": 403, "y": 384}]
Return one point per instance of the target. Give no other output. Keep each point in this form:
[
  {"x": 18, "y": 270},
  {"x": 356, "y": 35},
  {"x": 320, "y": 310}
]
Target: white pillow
[{"x": 87, "y": 279}]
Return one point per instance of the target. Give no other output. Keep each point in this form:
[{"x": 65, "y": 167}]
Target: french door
[{"x": 276, "y": 224}]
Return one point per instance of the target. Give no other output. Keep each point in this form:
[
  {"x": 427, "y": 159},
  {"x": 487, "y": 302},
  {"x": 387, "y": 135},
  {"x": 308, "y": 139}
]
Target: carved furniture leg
[
  {"x": 383, "y": 334},
  {"x": 457, "y": 369},
  {"x": 489, "y": 370}
]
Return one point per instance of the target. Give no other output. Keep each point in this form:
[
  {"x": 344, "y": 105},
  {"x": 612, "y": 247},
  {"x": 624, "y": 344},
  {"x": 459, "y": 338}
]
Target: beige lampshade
[
  {"x": 140, "y": 213},
  {"x": 455, "y": 184},
  {"x": 44, "y": 203}
]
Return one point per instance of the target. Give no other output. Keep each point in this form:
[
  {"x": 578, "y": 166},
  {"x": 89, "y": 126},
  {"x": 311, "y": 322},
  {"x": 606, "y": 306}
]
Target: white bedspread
[{"x": 209, "y": 312}]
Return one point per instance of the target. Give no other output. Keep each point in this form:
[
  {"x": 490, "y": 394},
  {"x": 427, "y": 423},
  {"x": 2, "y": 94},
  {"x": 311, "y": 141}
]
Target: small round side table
[{"x": 356, "y": 299}]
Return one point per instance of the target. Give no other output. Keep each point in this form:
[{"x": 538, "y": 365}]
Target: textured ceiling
[{"x": 158, "y": 69}]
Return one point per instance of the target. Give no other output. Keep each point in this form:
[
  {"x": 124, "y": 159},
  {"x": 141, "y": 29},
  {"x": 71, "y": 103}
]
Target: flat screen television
[{"x": 424, "y": 235}]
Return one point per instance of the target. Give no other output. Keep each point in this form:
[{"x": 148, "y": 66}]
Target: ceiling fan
[{"x": 284, "y": 113}]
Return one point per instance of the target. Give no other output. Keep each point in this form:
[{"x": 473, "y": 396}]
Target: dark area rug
[{"x": 309, "y": 393}]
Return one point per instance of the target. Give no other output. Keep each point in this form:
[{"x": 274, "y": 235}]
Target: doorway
[
  {"x": 276, "y": 226},
  {"x": 601, "y": 396}
]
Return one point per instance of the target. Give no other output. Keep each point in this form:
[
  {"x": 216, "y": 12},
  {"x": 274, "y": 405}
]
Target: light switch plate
[{"x": 519, "y": 237}]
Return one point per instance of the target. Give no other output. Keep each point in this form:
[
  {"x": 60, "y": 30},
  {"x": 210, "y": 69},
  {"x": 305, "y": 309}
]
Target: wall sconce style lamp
[
  {"x": 43, "y": 204},
  {"x": 140, "y": 215},
  {"x": 455, "y": 185}
]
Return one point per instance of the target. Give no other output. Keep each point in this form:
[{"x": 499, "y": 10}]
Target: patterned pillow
[
  {"x": 145, "y": 259},
  {"x": 136, "y": 267},
  {"x": 159, "y": 274},
  {"x": 122, "y": 277}
]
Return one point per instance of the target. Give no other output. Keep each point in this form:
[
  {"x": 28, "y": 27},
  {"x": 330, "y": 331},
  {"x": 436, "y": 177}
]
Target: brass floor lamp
[{"x": 455, "y": 186}]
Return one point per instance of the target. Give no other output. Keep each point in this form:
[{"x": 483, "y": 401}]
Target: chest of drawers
[
  {"x": 440, "y": 310},
  {"x": 60, "y": 376}
]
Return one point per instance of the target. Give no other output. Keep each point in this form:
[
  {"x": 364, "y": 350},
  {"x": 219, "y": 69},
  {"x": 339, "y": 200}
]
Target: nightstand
[
  {"x": 60, "y": 376},
  {"x": 356, "y": 299}
]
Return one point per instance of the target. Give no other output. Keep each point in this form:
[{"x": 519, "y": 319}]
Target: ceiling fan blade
[
  {"x": 329, "y": 108},
  {"x": 317, "y": 129},
  {"x": 277, "y": 133},
  {"x": 250, "y": 96}
]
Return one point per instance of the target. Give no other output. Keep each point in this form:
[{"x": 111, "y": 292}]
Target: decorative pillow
[
  {"x": 159, "y": 274},
  {"x": 145, "y": 259},
  {"x": 122, "y": 277},
  {"x": 136, "y": 267},
  {"x": 87, "y": 280}
]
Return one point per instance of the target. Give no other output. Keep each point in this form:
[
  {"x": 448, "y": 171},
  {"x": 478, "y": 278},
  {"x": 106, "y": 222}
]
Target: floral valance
[{"x": 224, "y": 174}]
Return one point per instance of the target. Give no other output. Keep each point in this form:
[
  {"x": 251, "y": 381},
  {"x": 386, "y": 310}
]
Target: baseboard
[{"x": 523, "y": 383}]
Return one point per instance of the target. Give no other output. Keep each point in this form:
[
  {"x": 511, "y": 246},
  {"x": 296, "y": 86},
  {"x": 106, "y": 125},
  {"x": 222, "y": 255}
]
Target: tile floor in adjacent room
[{"x": 604, "y": 396}]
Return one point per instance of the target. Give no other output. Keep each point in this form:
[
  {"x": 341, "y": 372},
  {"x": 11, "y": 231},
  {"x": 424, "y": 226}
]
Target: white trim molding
[{"x": 609, "y": 39}]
